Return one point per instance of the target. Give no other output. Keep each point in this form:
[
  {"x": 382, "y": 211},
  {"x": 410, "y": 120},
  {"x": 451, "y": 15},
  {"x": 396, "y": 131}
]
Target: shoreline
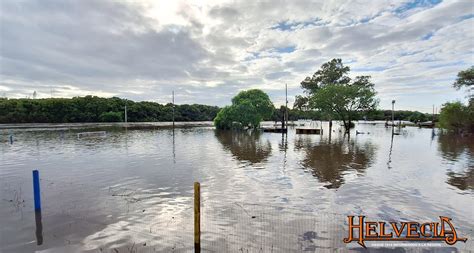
[{"x": 132, "y": 125}]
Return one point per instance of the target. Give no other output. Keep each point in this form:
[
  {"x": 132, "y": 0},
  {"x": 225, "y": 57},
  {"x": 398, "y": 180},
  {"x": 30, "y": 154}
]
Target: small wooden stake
[{"x": 197, "y": 217}]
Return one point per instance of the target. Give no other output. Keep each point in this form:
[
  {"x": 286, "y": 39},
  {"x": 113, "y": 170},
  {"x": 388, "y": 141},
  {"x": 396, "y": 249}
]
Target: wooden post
[{"x": 197, "y": 217}]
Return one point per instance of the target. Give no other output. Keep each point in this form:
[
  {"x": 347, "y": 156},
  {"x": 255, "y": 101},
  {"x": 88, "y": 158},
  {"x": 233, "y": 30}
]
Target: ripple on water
[{"x": 135, "y": 188}]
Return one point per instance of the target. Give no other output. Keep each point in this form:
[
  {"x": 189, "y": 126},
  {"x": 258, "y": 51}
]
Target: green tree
[
  {"x": 465, "y": 79},
  {"x": 330, "y": 73},
  {"x": 94, "y": 109},
  {"x": 335, "y": 94},
  {"x": 256, "y": 98},
  {"x": 301, "y": 102},
  {"x": 248, "y": 109},
  {"x": 455, "y": 117}
]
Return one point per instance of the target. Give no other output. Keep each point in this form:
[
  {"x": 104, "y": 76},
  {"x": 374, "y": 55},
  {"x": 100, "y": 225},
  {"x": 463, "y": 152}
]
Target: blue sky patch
[
  {"x": 427, "y": 36},
  {"x": 369, "y": 69},
  {"x": 417, "y": 4},
  {"x": 409, "y": 53},
  {"x": 456, "y": 63},
  {"x": 288, "y": 49},
  {"x": 288, "y": 25},
  {"x": 467, "y": 16}
]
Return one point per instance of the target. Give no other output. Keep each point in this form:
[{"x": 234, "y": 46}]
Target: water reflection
[
  {"x": 457, "y": 149},
  {"x": 134, "y": 187},
  {"x": 463, "y": 181},
  {"x": 329, "y": 162},
  {"x": 390, "y": 153},
  {"x": 245, "y": 146},
  {"x": 453, "y": 146},
  {"x": 39, "y": 228}
]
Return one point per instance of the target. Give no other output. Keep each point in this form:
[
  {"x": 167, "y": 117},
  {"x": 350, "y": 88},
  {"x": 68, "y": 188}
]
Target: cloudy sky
[{"x": 208, "y": 51}]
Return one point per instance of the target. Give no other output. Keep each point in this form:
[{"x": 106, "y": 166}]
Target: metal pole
[
  {"x": 286, "y": 105},
  {"x": 36, "y": 191},
  {"x": 197, "y": 217},
  {"x": 173, "y": 106},
  {"x": 37, "y": 200},
  {"x": 393, "y": 106}
]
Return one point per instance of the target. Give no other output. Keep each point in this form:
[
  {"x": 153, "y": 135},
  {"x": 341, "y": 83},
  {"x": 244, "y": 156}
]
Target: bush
[{"x": 456, "y": 117}]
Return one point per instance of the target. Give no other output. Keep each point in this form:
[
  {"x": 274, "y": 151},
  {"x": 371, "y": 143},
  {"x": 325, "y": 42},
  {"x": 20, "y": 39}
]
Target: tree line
[
  {"x": 98, "y": 109},
  {"x": 377, "y": 114}
]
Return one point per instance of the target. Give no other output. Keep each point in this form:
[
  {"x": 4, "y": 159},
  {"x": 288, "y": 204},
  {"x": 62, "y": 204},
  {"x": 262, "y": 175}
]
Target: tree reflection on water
[
  {"x": 245, "y": 146},
  {"x": 455, "y": 149},
  {"x": 329, "y": 162}
]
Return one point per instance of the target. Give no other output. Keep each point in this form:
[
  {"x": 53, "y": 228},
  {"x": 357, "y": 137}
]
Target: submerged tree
[
  {"x": 248, "y": 109},
  {"x": 455, "y": 116},
  {"x": 335, "y": 94}
]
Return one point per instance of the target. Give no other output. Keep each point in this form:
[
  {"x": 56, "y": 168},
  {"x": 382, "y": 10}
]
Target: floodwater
[{"x": 132, "y": 191}]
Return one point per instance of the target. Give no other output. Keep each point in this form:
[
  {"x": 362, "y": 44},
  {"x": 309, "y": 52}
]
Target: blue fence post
[
  {"x": 36, "y": 190},
  {"x": 11, "y": 139}
]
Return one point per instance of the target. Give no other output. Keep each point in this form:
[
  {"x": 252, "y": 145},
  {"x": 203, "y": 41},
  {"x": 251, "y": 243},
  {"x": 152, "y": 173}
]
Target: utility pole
[
  {"x": 286, "y": 104},
  {"x": 172, "y": 97},
  {"x": 433, "y": 115},
  {"x": 393, "y": 107}
]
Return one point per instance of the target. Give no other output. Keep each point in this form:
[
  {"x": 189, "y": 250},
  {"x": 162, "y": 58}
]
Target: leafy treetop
[{"x": 465, "y": 79}]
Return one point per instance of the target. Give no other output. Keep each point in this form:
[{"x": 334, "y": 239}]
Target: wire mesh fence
[
  {"x": 250, "y": 227},
  {"x": 128, "y": 218}
]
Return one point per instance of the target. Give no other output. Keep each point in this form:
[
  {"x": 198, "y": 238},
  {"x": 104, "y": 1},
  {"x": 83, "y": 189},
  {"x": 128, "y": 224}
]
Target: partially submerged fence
[{"x": 134, "y": 220}]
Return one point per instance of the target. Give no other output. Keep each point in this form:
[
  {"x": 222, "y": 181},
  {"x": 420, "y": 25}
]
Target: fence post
[
  {"x": 197, "y": 217},
  {"x": 37, "y": 200},
  {"x": 36, "y": 190}
]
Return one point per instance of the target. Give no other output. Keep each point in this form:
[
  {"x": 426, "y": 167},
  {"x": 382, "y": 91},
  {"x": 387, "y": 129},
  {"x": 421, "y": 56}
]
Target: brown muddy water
[{"x": 132, "y": 191}]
